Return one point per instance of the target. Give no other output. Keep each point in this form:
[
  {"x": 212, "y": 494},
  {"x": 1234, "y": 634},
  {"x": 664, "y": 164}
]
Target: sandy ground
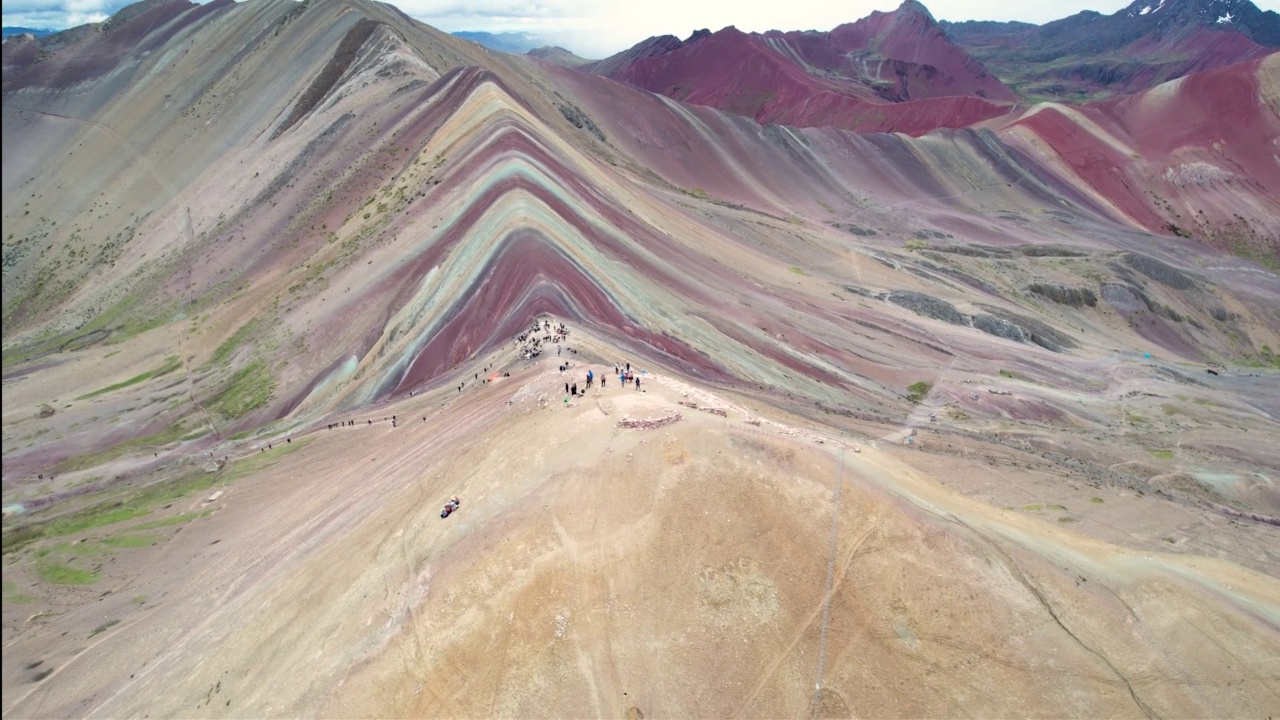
[
  {"x": 1084, "y": 533},
  {"x": 710, "y": 567}
]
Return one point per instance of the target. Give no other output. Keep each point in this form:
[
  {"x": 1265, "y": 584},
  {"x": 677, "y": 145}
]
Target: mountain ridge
[
  {"x": 897, "y": 403},
  {"x": 1092, "y": 56}
]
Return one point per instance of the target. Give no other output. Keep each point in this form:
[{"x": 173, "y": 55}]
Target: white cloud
[
  {"x": 597, "y": 28},
  {"x": 58, "y": 14}
]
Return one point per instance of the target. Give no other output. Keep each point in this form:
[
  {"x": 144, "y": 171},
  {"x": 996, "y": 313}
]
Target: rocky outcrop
[
  {"x": 651, "y": 423},
  {"x": 1075, "y": 297}
]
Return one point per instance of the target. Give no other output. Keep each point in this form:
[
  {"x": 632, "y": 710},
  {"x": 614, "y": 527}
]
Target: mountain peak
[
  {"x": 914, "y": 7},
  {"x": 1263, "y": 27}
]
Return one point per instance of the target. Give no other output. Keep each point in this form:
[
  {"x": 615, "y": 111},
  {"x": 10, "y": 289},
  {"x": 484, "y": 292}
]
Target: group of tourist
[{"x": 530, "y": 343}]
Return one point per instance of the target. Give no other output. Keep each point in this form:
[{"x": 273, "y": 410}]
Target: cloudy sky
[{"x": 596, "y": 28}]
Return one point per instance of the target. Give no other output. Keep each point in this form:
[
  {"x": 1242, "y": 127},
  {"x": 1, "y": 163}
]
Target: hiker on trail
[
  {"x": 566, "y": 388},
  {"x": 574, "y": 390},
  {"x": 558, "y": 350},
  {"x": 628, "y": 367},
  {"x": 637, "y": 382},
  {"x": 602, "y": 381}
]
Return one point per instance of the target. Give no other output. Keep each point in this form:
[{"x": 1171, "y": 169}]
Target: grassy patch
[
  {"x": 1033, "y": 508},
  {"x": 55, "y": 572},
  {"x": 1096, "y": 500},
  {"x": 798, "y": 271},
  {"x": 918, "y": 390},
  {"x": 1268, "y": 357},
  {"x": 252, "y": 387},
  {"x": 139, "y": 600},
  {"x": 168, "y": 436},
  {"x": 92, "y": 518},
  {"x": 175, "y": 520},
  {"x": 1163, "y": 454},
  {"x": 253, "y": 463},
  {"x": 1008, "y": 374},
  {"x": 142, "y": 502},
  {"x": 13, "y": 597},
  {"x": 915, "y": 245},
  {"x": 173, "y": 363},
  {"x": 1065, "y": 519},
  {"x": 229, "y": 346}
]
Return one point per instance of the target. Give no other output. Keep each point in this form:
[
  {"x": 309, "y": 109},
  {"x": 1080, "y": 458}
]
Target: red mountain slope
[
  {"x": 850, "y": 78},
  {"x": 1194, "y": 157}
]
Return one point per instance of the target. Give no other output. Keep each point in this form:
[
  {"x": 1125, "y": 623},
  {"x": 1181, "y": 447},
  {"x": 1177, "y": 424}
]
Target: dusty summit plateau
[{"x": 933, "y": 368}]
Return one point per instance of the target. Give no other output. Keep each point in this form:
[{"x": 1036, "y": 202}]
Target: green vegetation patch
[
  {"x": 166, "y": 522},
  {"x": 252, "y": 387},
  {"x": 168, "y": 436},
  {"x": 173, "y": 363},
  {"x": 1269, "y": 357},
  {"x": 1163, "y": 454},
  {"x": 92, "y": 518},
  {"x": 57, "y": 573},
  {"x": 229, "y": 346},
  {"x": 918, "y": 390},
  {"x": 138, "y": 503}
]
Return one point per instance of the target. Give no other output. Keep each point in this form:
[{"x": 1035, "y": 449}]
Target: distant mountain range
[
  {"x": 517, "y": 43},
  {"x": 559, "y": 56},
  {"x": 10, "y": 31},
  {"x": 1092, "y": 56},
  {"x": 892, "y": 70},
  {"x": 889, "y": 71}
]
